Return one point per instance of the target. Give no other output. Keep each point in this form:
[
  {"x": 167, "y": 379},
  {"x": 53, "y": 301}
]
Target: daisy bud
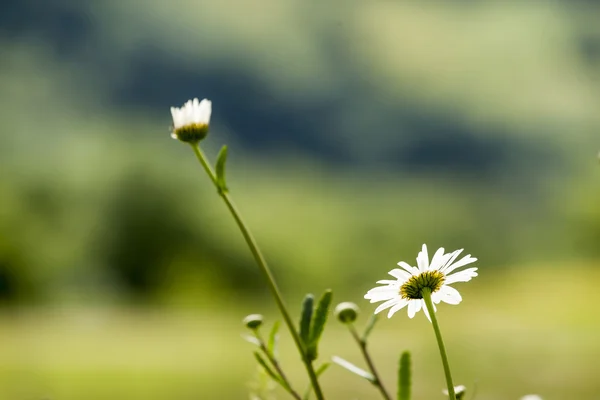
[
  {"x": 459, "y": 391},
  {"x": 253, "y": 321},
  {"x": 346, "y": 312},
  {"x": 190, "y": 122}
]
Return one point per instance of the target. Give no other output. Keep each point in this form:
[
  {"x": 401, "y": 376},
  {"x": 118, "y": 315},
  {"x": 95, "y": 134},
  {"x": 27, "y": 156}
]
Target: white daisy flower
[
  {"x": 190, "y": 122},
  {"x": 437, "y": 276},
  {"x": 531, "y": 397}
]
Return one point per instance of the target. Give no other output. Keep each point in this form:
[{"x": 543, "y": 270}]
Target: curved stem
[
  {"x": 363, "y": 348},
  {"x": 438, "y": 335},
  {"x": 262, "y": 264}
]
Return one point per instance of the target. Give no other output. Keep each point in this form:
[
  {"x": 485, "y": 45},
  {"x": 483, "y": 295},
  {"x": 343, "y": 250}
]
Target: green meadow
[{"x": 507, "y": 338}]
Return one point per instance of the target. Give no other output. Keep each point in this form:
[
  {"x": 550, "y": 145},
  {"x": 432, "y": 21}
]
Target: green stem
[
  {"x": 275, "y": 363},
  {"x": 363, "y": 348},
  {"x": 427, "y": 297},
  {"x": 262, "y": 264}
]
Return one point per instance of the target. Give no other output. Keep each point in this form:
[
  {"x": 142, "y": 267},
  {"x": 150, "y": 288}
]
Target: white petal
[
  {"x": 423, "y": 259},
  {"x": 436, "y": 297},
  {"x": 463, "y": 261},
  {"x": 380, "y": 289},
  {"x": 400, "y": 274},
  {"x": 385, "y": 305},
  {"x": 451, "y": 259},
  {"x": 413, "y": 307},
  {"x": 175, "y": 114},
  {"x": 450, "y": 295},
  {"x": 401, "y": 304},
  {"x": 419, "y": 305},
  {"x": 461, "y": 276},
  {"x": 380, "y": 293},
  {"x": 374, "y": 298},
  {"x": 411, "y": 270},
  {"x": 206, "y": 106},
  {"x": 387, "y": 282},
  {"x": 425, "y": 310},
  {"x": 437, "y": 259}
]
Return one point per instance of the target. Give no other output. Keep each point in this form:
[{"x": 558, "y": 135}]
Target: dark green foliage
[
  {"x": 312, "y": 322},
  {"x": 317, "y": 325},
  {"x": 147, "y": 228},
  {"x": 146, "y": 232},
  {"x": 306, "y": 317}
]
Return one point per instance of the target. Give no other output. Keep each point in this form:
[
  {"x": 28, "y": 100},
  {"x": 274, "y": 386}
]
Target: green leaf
[
  {"x": 404, "y": 377},
  {"x": 317, "y": 325},
  {"x": 273, "y": 339},
  {"x": 322, "y": 369},
  {"x": 305, "y": 318},
  {"x": 267, "y": 368},
  {"x": 220, "y": 167},
  {"x": 369, "y": 327},
  {"x": 353, "y": 368}
]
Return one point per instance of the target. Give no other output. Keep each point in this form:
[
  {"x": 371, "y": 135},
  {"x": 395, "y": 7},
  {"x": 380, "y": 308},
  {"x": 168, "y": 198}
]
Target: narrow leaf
[
  {"x": 404, "y": 377},
  {"x": 273, "y": 339},
  {"x": 251, "y": 339},
  {"x": 318, "y": 324},
  {"x": 353, "y": 368},
  {"x": 220, "y": 167},
  {"x": 307, "y": 311},
  {"x": 322, "y": 368},
  {"x": 267, "y": 368},
  {"x": 369, "y": 328}
]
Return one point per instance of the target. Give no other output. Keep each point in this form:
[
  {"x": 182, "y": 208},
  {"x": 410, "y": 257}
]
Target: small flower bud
[
  {"x": 253, "y": 321},
  {"x": 346, "y": 312},
  {"x": 460, "y": 391}
]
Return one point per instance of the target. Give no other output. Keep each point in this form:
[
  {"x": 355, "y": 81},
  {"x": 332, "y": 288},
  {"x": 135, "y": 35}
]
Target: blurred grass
[{"x": 521, "y": 330}]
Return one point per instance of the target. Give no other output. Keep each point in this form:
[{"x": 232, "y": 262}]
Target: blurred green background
[{"x": 357, "y": 132}]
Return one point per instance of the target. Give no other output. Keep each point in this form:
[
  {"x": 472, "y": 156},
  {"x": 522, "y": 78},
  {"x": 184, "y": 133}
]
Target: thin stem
[
  {"x": 427, "y": 297},
  {"x": 363, "y": 349},
  {"x": 262, "y": 264},
  {"x": 277, "y": 367}
]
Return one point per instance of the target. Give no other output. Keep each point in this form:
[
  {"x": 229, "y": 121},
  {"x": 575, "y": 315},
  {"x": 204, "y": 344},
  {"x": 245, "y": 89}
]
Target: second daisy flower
[{"x": 437, "y": 276}]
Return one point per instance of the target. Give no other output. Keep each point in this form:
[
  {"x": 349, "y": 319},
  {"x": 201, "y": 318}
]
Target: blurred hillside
[{"x": 356, "y": 133}]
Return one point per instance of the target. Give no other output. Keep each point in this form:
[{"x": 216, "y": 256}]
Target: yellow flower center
[
  {"x": 433, "y": 280},
  {"x": 191, "y": 133}
]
